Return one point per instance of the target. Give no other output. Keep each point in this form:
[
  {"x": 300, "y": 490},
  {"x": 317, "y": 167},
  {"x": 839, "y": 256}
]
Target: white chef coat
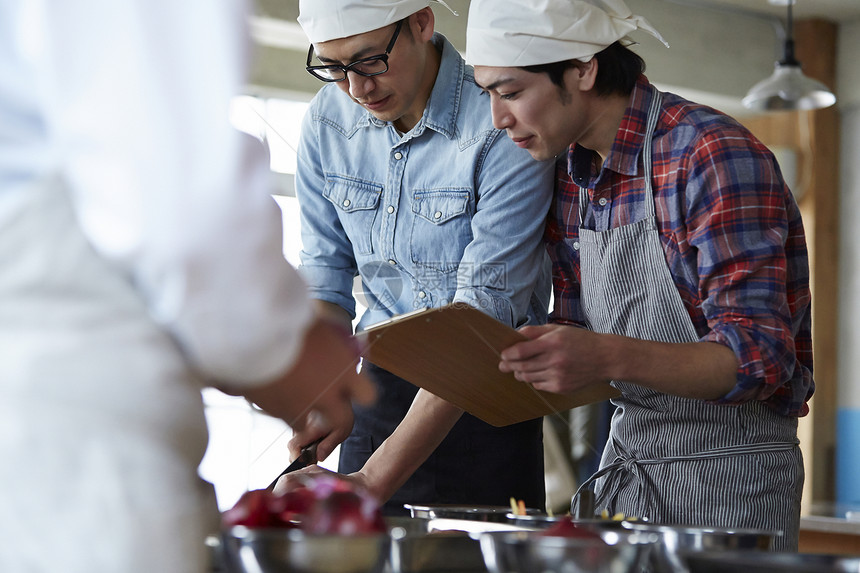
[{"x": 140, "y": 255}]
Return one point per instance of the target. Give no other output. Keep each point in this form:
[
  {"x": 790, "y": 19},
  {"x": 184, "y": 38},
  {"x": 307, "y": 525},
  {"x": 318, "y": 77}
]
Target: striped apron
[{"x": 676, "y": 460}]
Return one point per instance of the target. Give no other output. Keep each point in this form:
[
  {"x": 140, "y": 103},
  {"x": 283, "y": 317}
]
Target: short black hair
[{"x": 618, "y": 68}]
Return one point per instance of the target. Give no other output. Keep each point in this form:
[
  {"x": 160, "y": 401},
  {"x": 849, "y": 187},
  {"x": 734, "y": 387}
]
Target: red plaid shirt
[{"x": 730, "y": 229}]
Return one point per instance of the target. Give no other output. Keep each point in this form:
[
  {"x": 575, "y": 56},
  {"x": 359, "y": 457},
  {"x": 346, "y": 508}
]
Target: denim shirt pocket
[
  {"x": 441, "y": 227},
  {"x": 356, "y": 202}
]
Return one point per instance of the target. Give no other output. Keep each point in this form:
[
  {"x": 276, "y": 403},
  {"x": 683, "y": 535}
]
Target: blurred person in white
[{"x": 140, "y": 259}]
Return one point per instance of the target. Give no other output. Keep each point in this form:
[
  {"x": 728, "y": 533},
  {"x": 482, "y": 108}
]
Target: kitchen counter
[{"x": 831, "y": 529}]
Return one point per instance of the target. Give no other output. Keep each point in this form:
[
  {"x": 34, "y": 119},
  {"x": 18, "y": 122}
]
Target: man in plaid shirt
[{"x": 680, "y": 270}]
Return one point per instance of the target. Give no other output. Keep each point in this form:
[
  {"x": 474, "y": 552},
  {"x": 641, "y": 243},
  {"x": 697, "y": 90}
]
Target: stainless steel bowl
[
  {"x": 677, "y": 540},
  {"x": 408, "y": 525},
  {"x": 292, "y": 551},
  {"x": 417, "y": 548},
  {"x": 436, "y": 552},
  {"x": 765, "y": 561},
  {"x": 526, "y": 552},
  {"x": 497, "y": 513}
]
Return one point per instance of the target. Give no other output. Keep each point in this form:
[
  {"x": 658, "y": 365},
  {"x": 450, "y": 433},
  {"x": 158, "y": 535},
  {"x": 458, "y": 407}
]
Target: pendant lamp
[{"x": 788, "y": 88}]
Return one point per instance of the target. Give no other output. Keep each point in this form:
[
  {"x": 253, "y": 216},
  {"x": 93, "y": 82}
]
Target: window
[{"x": 248, "y": 448}]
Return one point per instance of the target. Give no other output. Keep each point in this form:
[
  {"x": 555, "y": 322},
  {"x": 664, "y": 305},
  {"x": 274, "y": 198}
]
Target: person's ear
[
  {"x": 587, "y": 74},
  {"x": 581, "y": 76},
  {"x": 422, "y": 23}
]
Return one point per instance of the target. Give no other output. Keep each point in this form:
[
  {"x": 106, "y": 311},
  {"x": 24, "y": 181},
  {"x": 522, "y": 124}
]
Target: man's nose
[
  {"x": 359, "y": 86},
  {"x": 502, "y": 118}
]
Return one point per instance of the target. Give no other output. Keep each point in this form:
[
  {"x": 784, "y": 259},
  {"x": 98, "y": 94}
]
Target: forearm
[
  {"x": 698, "y": 370},
  {"x": 425, "y": 425},
  {"x": 562, "y": 359}
]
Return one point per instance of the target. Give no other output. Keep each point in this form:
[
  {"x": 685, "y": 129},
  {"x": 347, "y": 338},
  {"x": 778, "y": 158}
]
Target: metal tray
[
  {"x": 539, "y": 521},
  {"x": 497, "y": 513}
]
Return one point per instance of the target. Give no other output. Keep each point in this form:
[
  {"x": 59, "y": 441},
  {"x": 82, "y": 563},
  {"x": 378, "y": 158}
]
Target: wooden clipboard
[{"x": 453, "y": 352}]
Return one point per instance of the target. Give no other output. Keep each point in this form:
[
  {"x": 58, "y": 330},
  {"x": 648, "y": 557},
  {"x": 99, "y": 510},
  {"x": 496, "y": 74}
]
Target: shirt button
[
  {"x": 390, "y": 209},
  {"x": 346, "y": 202},
  {"x": 603, "y": 201},
  {"x": 437, "y": 215},
  {"x": 422, "y": 294},
  {"x": 576, "y": 245},
  {"x": 398, "y": 155},
  {"x": 392, "y": 262}
]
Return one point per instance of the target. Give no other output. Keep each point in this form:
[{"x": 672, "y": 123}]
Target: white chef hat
[
  {"x": 510, "y": 33},
  {"x": 324, "y": 20}
]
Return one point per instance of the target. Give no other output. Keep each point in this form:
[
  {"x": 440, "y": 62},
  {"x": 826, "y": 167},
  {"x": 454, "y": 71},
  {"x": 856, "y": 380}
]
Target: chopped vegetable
[
  {"x": 322, "y": 505},
  {"x": 518, "y": 507},
  {"x": 567, "y": 528},
  {"x": 604, "y": 514}
]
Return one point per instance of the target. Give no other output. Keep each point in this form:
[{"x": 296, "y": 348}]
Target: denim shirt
[{"x": 451, "y": 211}]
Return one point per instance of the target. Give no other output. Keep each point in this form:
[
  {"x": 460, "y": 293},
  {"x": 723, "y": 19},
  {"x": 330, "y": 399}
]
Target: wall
[
  {"x": 715, "y": 55},
  {"x": 739, "y": 50},
  {"x": 848, "y": 396}
]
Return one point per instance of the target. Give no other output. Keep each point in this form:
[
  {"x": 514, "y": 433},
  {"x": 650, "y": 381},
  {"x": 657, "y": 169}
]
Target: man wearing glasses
[{"x": 403, "y": 181}]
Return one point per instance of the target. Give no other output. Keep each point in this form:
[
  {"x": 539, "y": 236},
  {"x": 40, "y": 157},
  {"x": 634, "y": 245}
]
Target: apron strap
[
  {"x": 627, "y": 466},
  {"x": 647, "y": 153}
]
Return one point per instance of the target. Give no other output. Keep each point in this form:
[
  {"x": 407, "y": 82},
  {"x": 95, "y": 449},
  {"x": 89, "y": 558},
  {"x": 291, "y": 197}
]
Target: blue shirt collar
[{"x": 442, "y": 108}]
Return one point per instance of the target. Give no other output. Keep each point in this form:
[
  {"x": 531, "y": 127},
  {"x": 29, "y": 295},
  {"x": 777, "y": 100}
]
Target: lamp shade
[{"x": 788, "y": 89}]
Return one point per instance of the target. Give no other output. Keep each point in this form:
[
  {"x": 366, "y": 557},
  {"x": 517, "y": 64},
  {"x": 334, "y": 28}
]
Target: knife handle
[{"x": 307, "y": 456}]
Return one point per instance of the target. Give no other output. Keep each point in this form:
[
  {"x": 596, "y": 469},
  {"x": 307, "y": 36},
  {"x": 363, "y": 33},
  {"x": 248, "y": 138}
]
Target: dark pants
[{"x": 476, "y": 464}]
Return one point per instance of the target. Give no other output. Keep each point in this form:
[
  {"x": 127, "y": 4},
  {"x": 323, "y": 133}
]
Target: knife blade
[{"x": 307, "y": 456}]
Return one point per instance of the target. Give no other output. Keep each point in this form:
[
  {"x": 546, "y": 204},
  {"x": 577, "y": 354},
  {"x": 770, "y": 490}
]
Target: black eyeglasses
[{"x": 372, "y": 66}]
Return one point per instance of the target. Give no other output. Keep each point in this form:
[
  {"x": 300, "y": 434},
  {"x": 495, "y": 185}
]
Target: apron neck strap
[{"x": 653, "y": 115}]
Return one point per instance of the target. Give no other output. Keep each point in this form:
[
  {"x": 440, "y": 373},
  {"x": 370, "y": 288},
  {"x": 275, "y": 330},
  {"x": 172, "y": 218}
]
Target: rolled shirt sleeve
[
  {"x": 506, "y": 263},
  {"x": 328, "y": 263},
  {"x": 752, "y": 268}
]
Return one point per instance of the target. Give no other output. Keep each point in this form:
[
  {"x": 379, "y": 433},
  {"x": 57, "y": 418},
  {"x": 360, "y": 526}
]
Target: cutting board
[{"x": 453, "y": 352}]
